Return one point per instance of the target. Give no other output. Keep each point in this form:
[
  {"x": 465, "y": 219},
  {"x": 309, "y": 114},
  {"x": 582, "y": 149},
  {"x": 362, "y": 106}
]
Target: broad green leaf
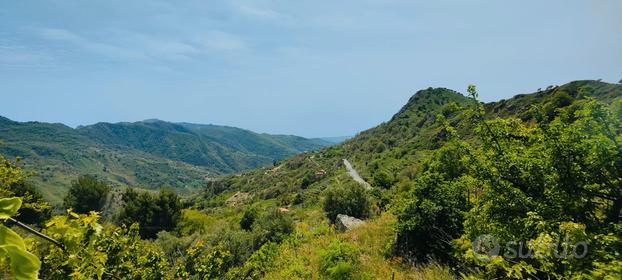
[
  {"x": 9, "y": 237},
  {"x": 9, "y": 206},
  {"x": 24, "y": 265}
]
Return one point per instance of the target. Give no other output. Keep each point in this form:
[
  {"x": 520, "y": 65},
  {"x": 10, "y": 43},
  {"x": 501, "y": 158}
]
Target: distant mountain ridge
[
  {"x": 335, "y": 140},
  {"x": 150, "y": 153}
]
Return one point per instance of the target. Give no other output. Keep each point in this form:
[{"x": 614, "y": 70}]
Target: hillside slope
[
  {"x": 398, "y": 146},
  {"x": 391, "y": 157},
  {"x": 149, "y": 154}
]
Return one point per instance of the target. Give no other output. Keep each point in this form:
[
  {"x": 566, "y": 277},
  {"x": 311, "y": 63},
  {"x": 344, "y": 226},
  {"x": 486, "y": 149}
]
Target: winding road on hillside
[{"x": 355, "y": 175}]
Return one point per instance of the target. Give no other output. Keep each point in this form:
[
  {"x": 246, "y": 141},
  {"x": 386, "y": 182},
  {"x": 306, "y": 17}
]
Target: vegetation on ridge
[
  {"x": 148, "y": 154},
  {"x": 452, "y": 178}
]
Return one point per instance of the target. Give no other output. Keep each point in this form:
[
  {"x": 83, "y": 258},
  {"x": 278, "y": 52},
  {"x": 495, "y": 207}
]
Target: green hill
[
  {"x": 395, "y": 158},
  {"x": 442, "y": 183},
  {"x": 150, "y": 154}
]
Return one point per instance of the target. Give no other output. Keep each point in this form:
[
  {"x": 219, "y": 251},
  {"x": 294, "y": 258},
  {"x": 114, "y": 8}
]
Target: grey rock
[{"x": 345, "y": 222}]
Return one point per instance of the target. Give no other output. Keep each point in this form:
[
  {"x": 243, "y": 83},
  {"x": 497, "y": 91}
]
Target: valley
[
  {"x": 426, "y": 185},
  {"x": 149, "y": 154}
]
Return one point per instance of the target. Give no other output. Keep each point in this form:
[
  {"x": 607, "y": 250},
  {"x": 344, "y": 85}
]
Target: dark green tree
[
  {"x": 153, "y": 213},
  {"x": 349, "y": 199},
  {"x": 433, "y": 212},
  {"x": 382, "y": 178},
  {"x": 272, "y": 226},
  {"x": 248, "y": 218},
  {"x": 86, "y": 194}
]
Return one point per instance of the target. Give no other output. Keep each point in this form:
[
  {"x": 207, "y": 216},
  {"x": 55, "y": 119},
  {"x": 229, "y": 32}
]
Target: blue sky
[{"x": 310, "y": 68}]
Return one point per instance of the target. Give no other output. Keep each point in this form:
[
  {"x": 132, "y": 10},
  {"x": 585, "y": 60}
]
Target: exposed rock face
[
  {"x": 238, "y": 199},
  {"x": 345, "y": 222}
]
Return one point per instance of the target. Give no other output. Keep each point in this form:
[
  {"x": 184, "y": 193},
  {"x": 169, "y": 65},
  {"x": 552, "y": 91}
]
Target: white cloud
[
  {"x": 59, "y": 34},
  {"x": 129, "y": 45},
  {"x": 101, "y": 48},
  {"x": 12, "y": 54},
  {"x": 218, "y": 40},
  {"x": 170, "y": 49},
  {"x": 11, "y": 57},
  {"x": 257, "y": 12}
]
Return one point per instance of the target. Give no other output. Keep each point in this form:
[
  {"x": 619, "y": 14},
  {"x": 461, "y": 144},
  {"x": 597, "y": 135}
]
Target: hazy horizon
[{"x": 308, "y": 68}]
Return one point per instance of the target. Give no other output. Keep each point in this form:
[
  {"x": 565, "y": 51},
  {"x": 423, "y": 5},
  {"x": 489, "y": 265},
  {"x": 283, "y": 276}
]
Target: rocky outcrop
[
  {"x": 345, "y": 222},
  {"x": 238, "y": 199}
]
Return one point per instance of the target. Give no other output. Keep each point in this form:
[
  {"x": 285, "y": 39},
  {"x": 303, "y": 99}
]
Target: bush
[
  {"x": 560, "y": 100},
  {"x": 204, "y": 263},
  {"x": 92, "y": 249},
  {"x": 152, "y": 213},
  {"x": 272, "y": 226},
  {"x": 238, "y": 242},
  {"x": 349, "y": 199},
  {"x": 257, "y": 264},
  {"x": 34, "y": 209},
  {"x": 86, "y": 194},
  {"x": 339, "y": 260},
  {"x": 193, "y": 221},
  {"x": 383, "y": 178},
  {"x": 249, "y": 217}
]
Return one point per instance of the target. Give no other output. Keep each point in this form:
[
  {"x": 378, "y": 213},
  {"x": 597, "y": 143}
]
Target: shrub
[
  {"x": 92, "y": 250},
  {"x": 272, "y": 226},
  {"x": 383, "y": 178},
  {"x": 248, "y": 218},
  {"x": 239, "y": 243},
  {"x": 86, "y": 194},
  {"x": 152, "y": 213},
  {"x": 298, "y": 199},
  {"x": 204, "y": 263},
  {"x": 349, "y": 199},
  {"x": 257, "y": 264},
  {"x": 194, "y": 221},
  {"x": 34, "y": 209},
  {"x": 339, "y": 260}
]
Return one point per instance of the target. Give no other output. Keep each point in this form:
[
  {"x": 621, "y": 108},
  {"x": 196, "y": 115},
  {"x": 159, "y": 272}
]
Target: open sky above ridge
[{"x": 310, "y": 68}]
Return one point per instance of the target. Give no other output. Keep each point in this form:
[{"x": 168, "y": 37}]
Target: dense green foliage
[
  {"x": 451, "y": 178},
  {"x": 249, "y": 217},
  {"x": 339, "y": 261},
  {"x": 34, "y": 209},
  {"x": 272, "y": 226},
  {"x": 147, "y": 154},
  {"x": 220, "y": 148},
  {"x": 24, "y": 265},
  {"x": 349, "y": 199},
  {"x": 153, "y": 213},
  {"x": 86, "y": 194},
  {"x": 29, "y": 208},
  {"x": 550, "y": 185},
  {"x": 93, "y": 251}
]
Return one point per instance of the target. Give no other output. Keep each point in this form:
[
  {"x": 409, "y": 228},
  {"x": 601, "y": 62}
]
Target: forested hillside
[
  {"x": 149, "y": 154},
  {"x": 446, "y": 170},
  {"x": 528, "y": 187}
]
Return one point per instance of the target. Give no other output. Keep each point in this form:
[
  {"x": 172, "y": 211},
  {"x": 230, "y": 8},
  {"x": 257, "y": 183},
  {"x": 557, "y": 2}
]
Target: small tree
[
  {"x": 339, "y": 260},
  {"x": 383, "y": 178},
  {"x": 86, "y": 194},
  {"x": 152, "y": 213},
  {"x": 349, "y": 199},
  {"x": 249, "y": 217},
  {"x": 272, "y": 226}
]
